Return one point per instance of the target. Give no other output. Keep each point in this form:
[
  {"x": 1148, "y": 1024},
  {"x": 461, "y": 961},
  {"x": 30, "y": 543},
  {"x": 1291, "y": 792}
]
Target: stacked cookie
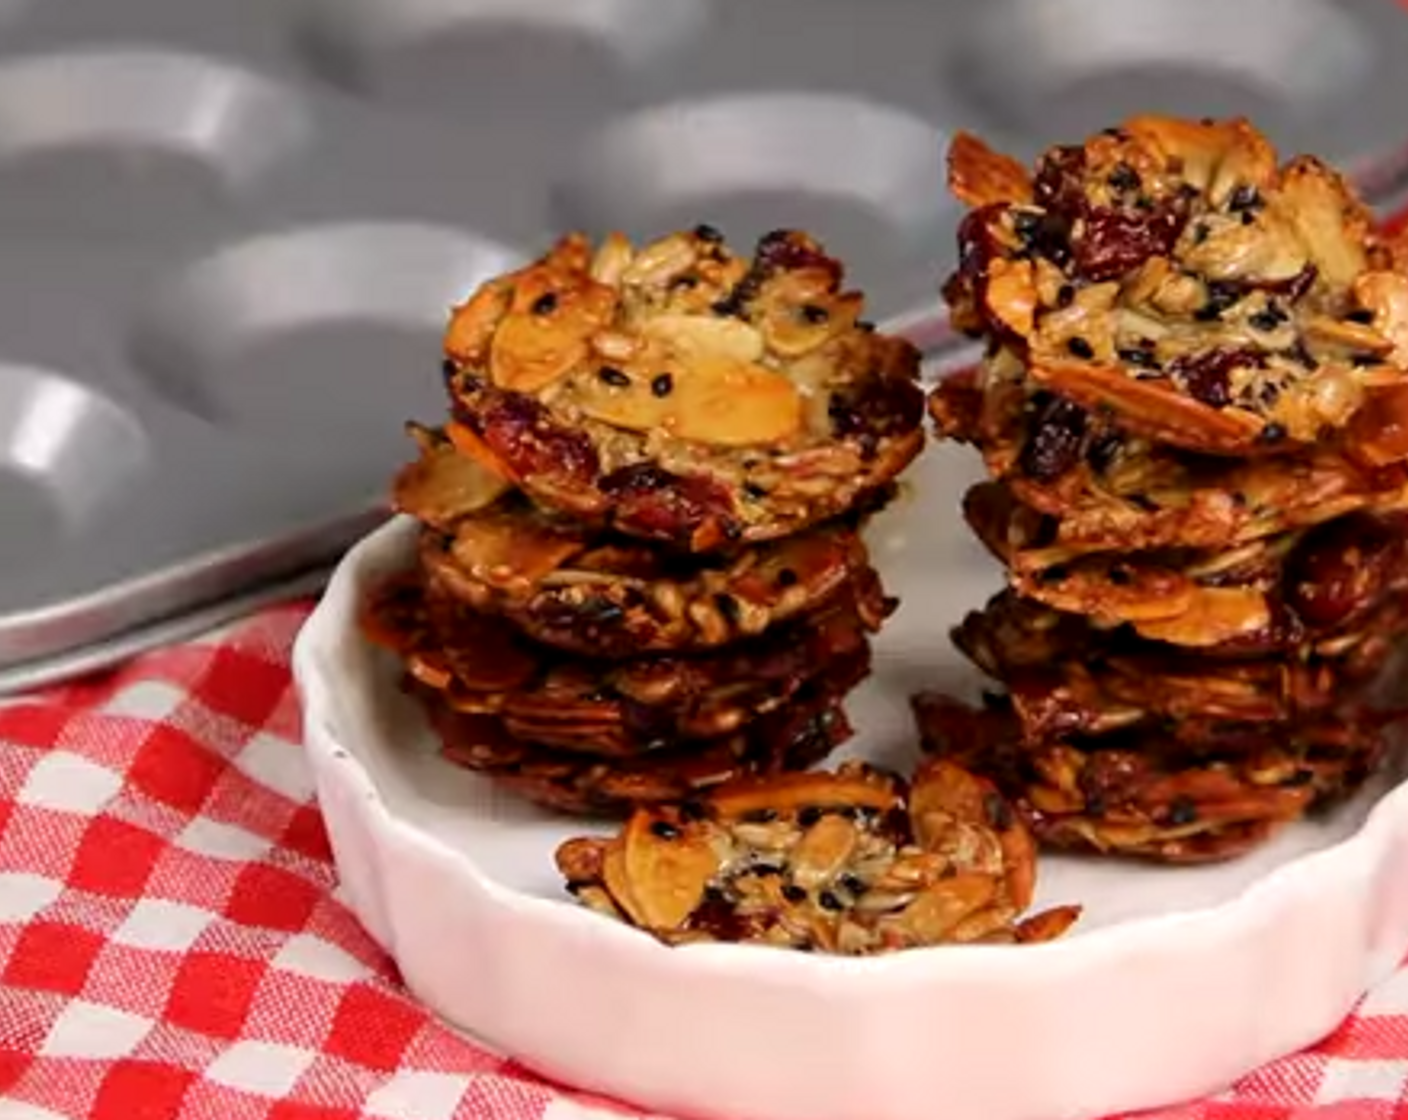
[
  {"x": 1193, "y": 413},
  {"x": 640, "y": 571}
]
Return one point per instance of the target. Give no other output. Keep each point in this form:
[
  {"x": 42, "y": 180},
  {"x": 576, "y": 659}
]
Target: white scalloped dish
[{"x": 1174, "y": 982}]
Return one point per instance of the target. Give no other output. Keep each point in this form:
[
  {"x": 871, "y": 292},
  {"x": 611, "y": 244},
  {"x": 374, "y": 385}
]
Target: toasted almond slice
[
  {"x": 1011, "y": 294},
  {"x": 931, "y": 918},
  {"x": 502, "y": 548},
  {"x": 1214, "y": 615},
  {"x": 706, "y": 336},
  {"x": 790, "y": 792},
  {"x": 473, "y": 322},
  {"x": 1156, "y": 411},
  {"x": 943, "y": 792},
  {"x": 735, "y": 405},
  {"x": 666, "y": 878},
  {"x": 468, "y": 444},
  {"x": 1386, "y": 295},
  {"x": 979, "y": 176},
  {"x": 530, "y": 350},
  {"x": 1048, "y": 925},
  {"x": 822, "y": 851},
  {"x": 443, "y": 487}
]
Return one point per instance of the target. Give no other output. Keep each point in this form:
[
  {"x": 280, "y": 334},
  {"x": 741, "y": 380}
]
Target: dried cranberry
[
  {"x": 520, "y": 431},
  {"x": 1341, "y": 569},
  {"x": 1054, "y": 446},
  {"x": 1113, "y": 242},
  {"x": 785, "y": 249},
  {"x": 878, "y": 407},
  {"x": 1207, "y": 376},
  {"x": 1059, "y": 181},
  {"x": 666, "y": 505}
]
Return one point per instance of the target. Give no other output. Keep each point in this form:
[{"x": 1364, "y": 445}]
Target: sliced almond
[
  {"x": 931, "y": 918},
  {"x": 1011, "y": 294},
  {"x": 1213, "y": 616},
  {"x": 979, "y": 176},
  {"x": 706, "y": 336},
  {"x": 531, "y": 350},
  {"x": 503, "y": 548},
  {"x": 473, "y": 322},
  {"x": 666, "y": 877},
  {"x": 442, "y": 487},
  {"x": 822, "y": 851},
  {"x": 790, "y": 792},
  {"x": 732, "y": 404},
  {"x": 1048, "y": 925}
]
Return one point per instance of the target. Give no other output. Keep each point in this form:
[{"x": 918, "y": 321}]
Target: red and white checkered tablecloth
[{"x": 172, "y": 943}]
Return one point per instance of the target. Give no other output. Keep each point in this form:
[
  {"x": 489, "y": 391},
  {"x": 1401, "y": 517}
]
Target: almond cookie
[
  {"x": 850, "y": 862},
  {"x": 681, "y": 393}
]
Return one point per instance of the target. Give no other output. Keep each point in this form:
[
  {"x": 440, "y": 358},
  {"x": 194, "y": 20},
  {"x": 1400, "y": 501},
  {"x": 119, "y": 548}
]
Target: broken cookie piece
[{"x": 852, "y": 862}]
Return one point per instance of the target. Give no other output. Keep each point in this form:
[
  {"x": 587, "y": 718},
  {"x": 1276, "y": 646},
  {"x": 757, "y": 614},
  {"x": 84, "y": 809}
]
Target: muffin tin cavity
[
  {"x": 1310, "y": 72},
  {"x": 67, "y": 453},
  {"x": 538, "y": 64},
  {"x": 329, "y": 334},
  {"x": 865, "y": 176},
  {"x": 136, "y": 142}
]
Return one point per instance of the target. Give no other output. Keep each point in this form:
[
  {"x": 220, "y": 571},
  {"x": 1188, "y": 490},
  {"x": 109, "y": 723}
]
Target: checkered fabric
[{"x": 172, "y": 943}]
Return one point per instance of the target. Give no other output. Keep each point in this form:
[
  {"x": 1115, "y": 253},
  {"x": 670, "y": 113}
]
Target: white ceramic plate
[{"x": 1175, "y": 982}]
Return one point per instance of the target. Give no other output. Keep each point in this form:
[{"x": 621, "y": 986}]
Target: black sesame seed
[
  {"x": 662, "y": 385},
  {"x": 1268, "y": 319},
  {"x": 1138, "y": 356},
  {"x": 576, "y": 886},
  {"x": 1361, "y": 316},
  {"x": 612, "y": 376},
  {"x": 813, "y": 313},
  {"x": 1244, "y": 198},
  {"x": 685, "y": 282},
  {"x": 664, "y": 829},
  {"x": 1080, "y": 347},
  {"x": 448, "y": 369},
  {"x": 727, "y": 605},
  {"x": 760, "y": 816},
  {"x": 793, "y": 893},
  {"x": 1364, "y": 358},
  {"x": 829, "y": 901},
  {"x": 753, "y": 491},
  {"x": 808, "y": 816},
  {"x": 1144, "y": 502},
  {"x": 853, "y": 883},
  {"x": 998, "y": 812},
  {"x": 786, "y": 577},
  {"x": 706, "y": 232},
  {"x": 692, "y": 811},
  {"x": 1065, "y": 295},
  {"x": 1200, "y": 232},
  {"x": 1182, "y": 811},
  {"x": 1272, "y": 433},
  {"x": 545, "y": 304},
  {"x": 1301, "y": 777},
  {"x": 1124, "y": 178},
  {"x": 865, "y": 325},
  {"x": 1120, "y": 577},
  {"x": 1054, "y": 574}
]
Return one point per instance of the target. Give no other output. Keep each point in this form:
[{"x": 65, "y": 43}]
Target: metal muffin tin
[{"x": 230, "y": 233}]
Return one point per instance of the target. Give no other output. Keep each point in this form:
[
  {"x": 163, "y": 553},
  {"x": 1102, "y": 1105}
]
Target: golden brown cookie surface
[
  {"x": 681, "y": 393},
  {"x": 852, "y": 862}
]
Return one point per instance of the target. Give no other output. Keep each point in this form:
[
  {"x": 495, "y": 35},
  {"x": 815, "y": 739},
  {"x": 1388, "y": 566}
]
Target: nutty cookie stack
[
  {"x": 640, "y": 570},
  {"x": 1193, "y": 411}
]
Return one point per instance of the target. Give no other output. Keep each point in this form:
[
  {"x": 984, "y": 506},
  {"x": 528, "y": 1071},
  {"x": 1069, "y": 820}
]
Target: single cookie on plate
[
  {"x": 681, "y": 393},
  {"x": 854, "y": 862}
]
